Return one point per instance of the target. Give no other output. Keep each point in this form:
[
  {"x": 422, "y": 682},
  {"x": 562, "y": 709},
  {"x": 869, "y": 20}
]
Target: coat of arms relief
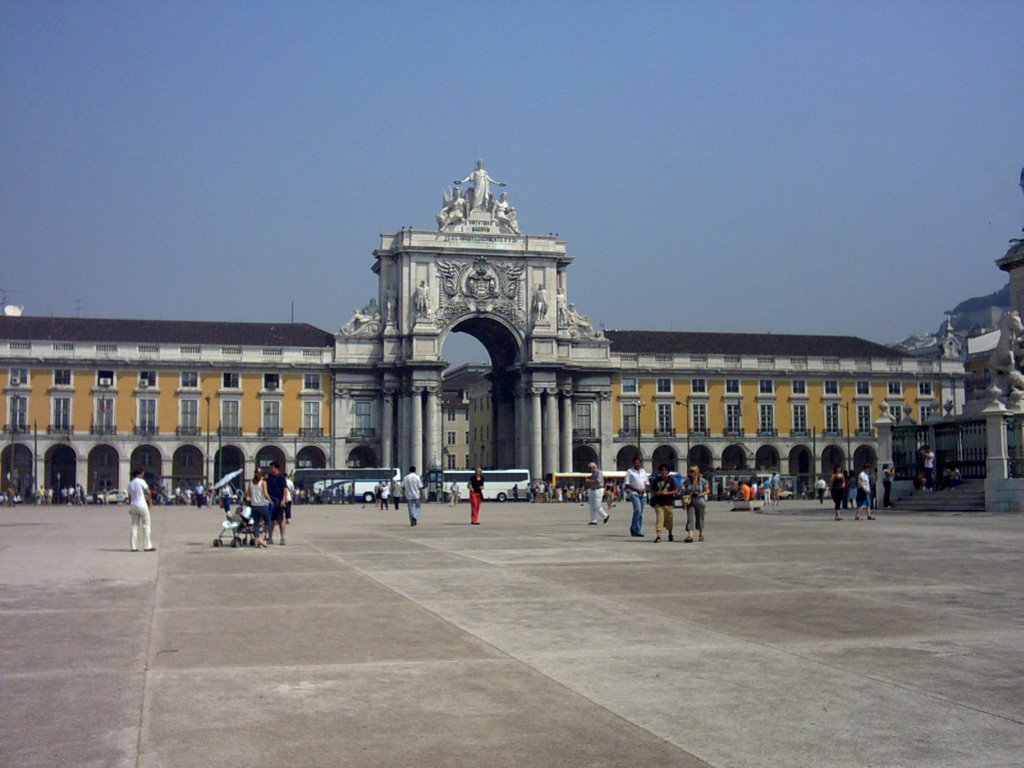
[{"x": 481, "y": 286}]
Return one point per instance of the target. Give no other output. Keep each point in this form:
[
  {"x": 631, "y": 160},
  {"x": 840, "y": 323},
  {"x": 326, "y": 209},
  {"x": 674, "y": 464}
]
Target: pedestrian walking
[
  {"x": 595, "y": 492},
  {"x": 384, "y": 491},
  {"x": 412, "y": 489},
  {"x": 453, "y": 494},
  {"x": 888, "y": 475},
  {"x": 277, "y": 492},
  {"x": 696, "y": 490},
  {"x": 638, "y": 484},
  {"x": 820, "y": 487},
  {"x": 139, "y": 499},
  {"x": 663, "y": 495},
  {"x": 864, "y": 493},
  {"x": 837, "y": 486},
  {"x": 476, "y": 495}
]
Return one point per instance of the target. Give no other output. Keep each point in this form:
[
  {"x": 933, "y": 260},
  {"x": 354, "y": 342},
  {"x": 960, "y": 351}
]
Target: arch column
[
  {"x": 416, "y": 429},
  {"x": 433, "y": 420},
  {"x": 522, "y": 429},
  {"x": 535, "y": 434},
  {"x": 386, "y": 427},
  {"x": 551, "y": 431},
  {"x": 566, "y": 437}
]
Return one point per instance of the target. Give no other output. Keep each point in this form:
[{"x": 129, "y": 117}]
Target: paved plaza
[{"x": 786, "y": 639}]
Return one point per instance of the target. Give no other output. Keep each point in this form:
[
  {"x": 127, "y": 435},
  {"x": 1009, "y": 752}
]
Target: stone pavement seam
[{"x": 505, "y": 654}]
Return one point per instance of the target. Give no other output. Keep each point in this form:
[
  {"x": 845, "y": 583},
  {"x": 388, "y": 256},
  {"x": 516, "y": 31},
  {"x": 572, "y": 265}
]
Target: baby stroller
[{"x": 239, "y": 525}]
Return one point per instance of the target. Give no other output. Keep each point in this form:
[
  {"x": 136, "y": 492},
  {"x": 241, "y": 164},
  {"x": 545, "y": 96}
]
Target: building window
[
  {"x": 62, "y": 413},
  {"x": 800, "y": 419},
  {"x": 19, "y": 377},
  {"x": 18, "y": 421},
  {"x": 62, "y": 377},
  {"x": 733, "y": 418},
  {"x": 467, "y": 437},
  {"x": 864, "y": 419},
  {"x": 766, "y": 386},
  {"x": 924, "y": 388},
  {"x": 271, "y": 414},
  {"x": 271, "y": 381},
  {"x": 699, "y": 386},
  {"x": 229, "y": 380},
  {"x": 895, "y": 388},
  {"x": 189, "y": 379},
  {"x": 451, "y": 438},
  {"x": 104, "y": 378},
  {"x": 311, "y": 381},
  {"x": 831, "y": 387},
  {"x": 832, "y": 419},
  {"x": 732, "y": 386},
  {"x": 583, "y": 417},
  {"x": 629, "y": 386},
  {"x": 147, "y": 413},
  {"x": 189, "y": 419},
  {"x": 451, "y": 461},
  {"x": 629, "y": 417},
  {"x": 229, "y": 415},
  {"x": 863, "y": 387},
  {"x": 664, "y": 386},
  {"x": 311, "y": 414},
  {"x": 665, "y": 419},
  {"x": 699, "y": 418},
  {"x": 147, "y": 378},
  {"x": 767, "y": 421},
  {"x": 361, "y": 411},
  {"x": 799, "y": 387},
  {"x": 926, "y": 412},
  {"x": 105, "y": 412},
  {"x": 451, "y": 414}
]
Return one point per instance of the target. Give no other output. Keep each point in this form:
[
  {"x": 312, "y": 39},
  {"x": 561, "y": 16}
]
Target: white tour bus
[
  {"x": 499, "y": 484},
  {"x": 338, "y": 485}
]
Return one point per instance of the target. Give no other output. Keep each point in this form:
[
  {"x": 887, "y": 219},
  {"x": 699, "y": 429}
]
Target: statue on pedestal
[
  {"x": 1006, "y": 357},
  {"x": 481, "y": 181},
  {"x": 421, "y": 301},
  {"x": 539, "y": 309},
  {"x": 364, "y": 322}
]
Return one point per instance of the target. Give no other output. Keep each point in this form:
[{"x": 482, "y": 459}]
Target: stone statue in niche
[
  {"x": 421, "y": 301},
  {"x": 390, "y": 299},
  {"x": 561, "y": 308},
  {"x": 539, "y": 308}
]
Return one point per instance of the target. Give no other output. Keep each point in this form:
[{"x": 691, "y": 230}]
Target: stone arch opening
[
  {"x": 832, "y": 456},
  {"x": 664, "y": 454},
  {"x": 493, "y": 417},
  {"x": 701, "y": 456},
  {"x": 311, "y": 457},
  {"x": 734, "y": 458},
  {"x": 864, "y": 454},
  {"x": 766, "y": 458},
  {"x": 230, "y": 459},
  {"x": 186, "y": 467},
  {"x": 582, "y": 455},
  {"x": 16, "y": 467},
  {"x": 148, "y": 459},
  {"x": 365, "y": 456},
  {"x": 103, "y": 469},
  {"x": 624, "y": 458},
  {"x": 61, "y": 468},
  {"x": 800, "y": 465},
  {"x": 269, "y": 453}
]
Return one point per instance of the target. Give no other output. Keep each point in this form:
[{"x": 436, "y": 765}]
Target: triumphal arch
[{"x": 476, "y": 273}]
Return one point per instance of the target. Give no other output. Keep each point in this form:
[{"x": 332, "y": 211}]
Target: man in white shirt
[
  {"x": 412, "y": 488},
  {"x": 139, "y": 498},
  {"x": 864, "y": 493},
  {"x": 638, "y": 483}
]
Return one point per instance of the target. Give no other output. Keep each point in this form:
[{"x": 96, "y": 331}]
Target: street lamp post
[
  {"x": 207, "y": 437},
  {"x": 639, "y": 411}
]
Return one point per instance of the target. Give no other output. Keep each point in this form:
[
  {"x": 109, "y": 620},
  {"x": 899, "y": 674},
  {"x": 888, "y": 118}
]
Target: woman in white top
[{"x": 260, "y": 503}]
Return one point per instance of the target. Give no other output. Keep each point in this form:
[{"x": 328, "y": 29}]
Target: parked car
[{"x": 109, "y": 497}]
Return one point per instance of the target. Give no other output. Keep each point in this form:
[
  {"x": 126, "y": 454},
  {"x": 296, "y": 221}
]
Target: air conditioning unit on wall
[{"x": 106, "y": 382}]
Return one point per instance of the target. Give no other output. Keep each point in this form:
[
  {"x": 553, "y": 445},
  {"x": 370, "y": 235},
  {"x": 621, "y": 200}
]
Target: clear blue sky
[{"x": 809, "y": 167}]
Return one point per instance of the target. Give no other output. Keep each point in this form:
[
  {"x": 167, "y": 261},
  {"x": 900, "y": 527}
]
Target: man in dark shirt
[
  {"x": 276, "y": 486},
  {"x": 663, "y": 494}
]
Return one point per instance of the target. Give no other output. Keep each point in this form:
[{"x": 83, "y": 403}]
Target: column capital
[
  {"x": 344, "y": 394},
  {"x": 535, "y": 391},
  {"x": 566, "y": 391}
]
